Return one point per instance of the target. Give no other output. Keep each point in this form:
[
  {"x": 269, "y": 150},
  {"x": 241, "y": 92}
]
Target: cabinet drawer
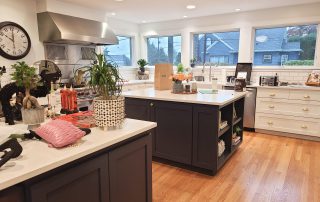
[
  {"x": 273, "y": 93},
  {"x": 288, "y": 107},
  {"x": 289, "y": 124},
  {"x": 304, "y": 95}
]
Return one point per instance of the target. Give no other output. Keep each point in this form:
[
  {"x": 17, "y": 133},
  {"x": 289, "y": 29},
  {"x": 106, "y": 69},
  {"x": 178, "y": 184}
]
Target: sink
[{"x": 199, "y": 78}]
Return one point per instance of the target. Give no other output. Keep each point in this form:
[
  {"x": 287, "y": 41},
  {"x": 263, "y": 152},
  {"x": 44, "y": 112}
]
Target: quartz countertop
[
  {"x": 222, "y": 97},
  {"x": 38, "y": 158},
  {"x": 292, "y": 87}
]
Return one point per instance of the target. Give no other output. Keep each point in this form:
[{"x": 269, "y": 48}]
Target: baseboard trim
[{"x": 291, "y": 135}]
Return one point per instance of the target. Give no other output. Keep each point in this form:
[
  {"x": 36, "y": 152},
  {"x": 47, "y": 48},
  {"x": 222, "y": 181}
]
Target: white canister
[{"x": 214, "y": 83}]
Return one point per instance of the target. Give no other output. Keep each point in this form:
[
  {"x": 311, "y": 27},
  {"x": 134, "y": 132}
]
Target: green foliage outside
[
  {"x": 300, "y": 63},
  {"x": 308, "y": 45}
]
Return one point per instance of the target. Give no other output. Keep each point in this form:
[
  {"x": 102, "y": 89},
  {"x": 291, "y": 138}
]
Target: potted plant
[
  {"x": 108, "y": 106},
  {"x": 142, "y": 63},
  {"x": 26, "y": 76},
  {"x": 193, "y": 62}
]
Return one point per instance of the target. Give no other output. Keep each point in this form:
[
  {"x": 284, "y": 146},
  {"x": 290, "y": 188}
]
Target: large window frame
[
  {"x": 236, "y": 29},
  {"x": 132, "y": 59},
  {"x": 146, "y": 38},
  {"x": 285, "y": 56}
]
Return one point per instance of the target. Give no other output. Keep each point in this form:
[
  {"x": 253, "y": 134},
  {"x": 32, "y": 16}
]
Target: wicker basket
[
  {"x": 32, "y": 116},
  {"x": 109, "y": 113}
]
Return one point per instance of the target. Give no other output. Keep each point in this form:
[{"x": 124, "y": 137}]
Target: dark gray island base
[
  {"x": 187, "y": 134},
  {"x": 120, "y": 172}
]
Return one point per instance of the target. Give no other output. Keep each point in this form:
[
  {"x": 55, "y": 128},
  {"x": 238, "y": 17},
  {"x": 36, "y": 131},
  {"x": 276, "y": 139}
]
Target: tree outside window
[{"x": 121, "y": 54}]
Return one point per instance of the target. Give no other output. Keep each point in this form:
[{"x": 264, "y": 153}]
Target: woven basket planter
[
  {"x": 32, "y": 116},
  {"x": 109, "y": 113}
]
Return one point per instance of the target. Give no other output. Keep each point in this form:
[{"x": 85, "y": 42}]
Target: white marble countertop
[
  {"x": 136, "y": 82},
  {"x": 222, "y": 97},
  {"x": 38, "y": 158}
]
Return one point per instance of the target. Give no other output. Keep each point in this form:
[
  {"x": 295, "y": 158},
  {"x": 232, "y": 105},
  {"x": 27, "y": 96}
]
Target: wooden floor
[{"x": 265, "y": 168}]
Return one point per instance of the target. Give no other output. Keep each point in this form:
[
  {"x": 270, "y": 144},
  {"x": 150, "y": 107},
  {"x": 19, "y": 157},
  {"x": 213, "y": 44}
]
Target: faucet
[{"x": 210, "y": 72}]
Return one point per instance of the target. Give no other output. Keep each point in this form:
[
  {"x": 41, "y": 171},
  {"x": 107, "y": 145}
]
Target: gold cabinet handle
[
  {"x": 151, "y": 104},
  {"x": 304, "y": 126},
  {"x": 306, "y": 96},
  {"x": 305, "y": 109},
  {"x": 272, "y": 94},
  {"x": 271, "y": 106},
  {"x": 270, "y": 122}
]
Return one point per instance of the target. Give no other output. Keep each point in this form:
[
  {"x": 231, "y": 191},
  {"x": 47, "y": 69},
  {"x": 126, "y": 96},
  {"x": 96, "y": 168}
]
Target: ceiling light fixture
[
  {"x": 143, "y": 21},
  {"x": 237, "y": 9},
  {"x": 118, "y": 0},
  {"x": 113, "y": 14},
  {"x": 190, "y": 7},
  {"x": 185, "y": 16}
]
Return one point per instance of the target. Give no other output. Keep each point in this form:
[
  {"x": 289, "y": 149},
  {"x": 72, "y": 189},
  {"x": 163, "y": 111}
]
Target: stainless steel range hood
[{"x": 58, "y": 28}]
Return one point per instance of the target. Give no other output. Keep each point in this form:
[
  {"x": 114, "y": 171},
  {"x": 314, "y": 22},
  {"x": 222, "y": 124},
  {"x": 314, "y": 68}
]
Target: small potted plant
[
  {"x": 193, "y": 62},
  {"x": 26, "y": 76},
  {"x": 109, "y": 105},
  {"x": 142, "y": 64},
  {"x": 180, "y": 68}
]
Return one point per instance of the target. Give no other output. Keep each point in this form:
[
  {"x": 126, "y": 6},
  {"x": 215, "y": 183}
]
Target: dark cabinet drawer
[
  {"x": 86, "y": 182},
  {"x": 173, "y": 135},
  {"x": 131, "y": 172},
  {"x": 12, "y": 194}
]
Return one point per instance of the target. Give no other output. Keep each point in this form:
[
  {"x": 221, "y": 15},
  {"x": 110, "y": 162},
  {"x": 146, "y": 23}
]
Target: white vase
[{"x": 109, "y": 113}]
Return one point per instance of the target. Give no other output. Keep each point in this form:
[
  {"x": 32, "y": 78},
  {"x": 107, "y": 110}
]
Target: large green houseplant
[
  {"x": 109, "y": 104},
  {"x": 26, "y": 76}
]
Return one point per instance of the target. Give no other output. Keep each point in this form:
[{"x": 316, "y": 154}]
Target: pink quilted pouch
[{"x": 59, "y": 133}]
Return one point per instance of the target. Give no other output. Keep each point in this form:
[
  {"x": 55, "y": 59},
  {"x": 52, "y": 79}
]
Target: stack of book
[
  {"x": 223, "y": 124},
  {"x": 236, "y": 140}
]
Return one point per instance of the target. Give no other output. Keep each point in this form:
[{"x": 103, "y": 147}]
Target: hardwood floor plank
[{"x": 265, "y": 168}]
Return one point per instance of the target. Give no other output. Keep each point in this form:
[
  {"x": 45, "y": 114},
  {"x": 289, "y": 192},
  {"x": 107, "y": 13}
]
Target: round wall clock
[{"x": 15, "y": 42}]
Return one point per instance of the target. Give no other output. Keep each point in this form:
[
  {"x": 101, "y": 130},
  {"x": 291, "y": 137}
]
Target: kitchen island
[
  {"x": 188, "y": 126},
  {"x": 104, "y": 166}
]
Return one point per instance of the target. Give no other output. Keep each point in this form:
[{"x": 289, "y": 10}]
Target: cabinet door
[
  {"x": 173, "y": 135},
  {"x": 12, "y": 194},
  {"x": 130, "y": 171},
  {"x": 205, "y": 137},
  {"x": 86, "y": 182},
  {"x": 137, "y": 109}
]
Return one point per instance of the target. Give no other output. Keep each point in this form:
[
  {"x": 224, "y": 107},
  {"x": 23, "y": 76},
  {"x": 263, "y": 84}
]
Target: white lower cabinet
[{"x": 290, "y": 111}]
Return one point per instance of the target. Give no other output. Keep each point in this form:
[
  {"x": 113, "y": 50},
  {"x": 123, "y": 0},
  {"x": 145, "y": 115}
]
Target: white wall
[{"x": 23, "y": 13}]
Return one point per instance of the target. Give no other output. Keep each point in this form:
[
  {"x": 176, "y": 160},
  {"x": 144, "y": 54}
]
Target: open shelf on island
[
  {"x": 223, "y": 131},
  {"x": 236, "y": 120}
]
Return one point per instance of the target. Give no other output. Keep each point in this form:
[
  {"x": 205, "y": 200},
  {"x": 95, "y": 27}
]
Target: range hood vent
[{"x": 58, "y": 28}]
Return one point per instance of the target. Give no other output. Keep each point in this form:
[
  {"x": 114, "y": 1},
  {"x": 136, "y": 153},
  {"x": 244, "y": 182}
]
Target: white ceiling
[{"x": 162, "y": 10}]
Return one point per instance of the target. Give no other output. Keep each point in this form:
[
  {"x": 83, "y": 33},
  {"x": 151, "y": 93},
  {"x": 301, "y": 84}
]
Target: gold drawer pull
[
  {"x": 304, "y": 126},
  {"x": 270, "y": 122},
  {"x": 151, "y": 104},
  {"x": 305, "y": 109},
  {"x": 271, "y": 106},
  {"x": 306, "y": 96},
  {"x": 272, "y": 94}
]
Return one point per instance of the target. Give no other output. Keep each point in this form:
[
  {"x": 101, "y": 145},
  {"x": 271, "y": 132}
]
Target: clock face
[{"x": 14, "y": 41}]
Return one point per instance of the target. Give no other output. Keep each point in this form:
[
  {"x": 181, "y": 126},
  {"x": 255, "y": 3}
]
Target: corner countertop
[
  {"x": 38, "y": 158},
  {"x": 222, "y": 97}
]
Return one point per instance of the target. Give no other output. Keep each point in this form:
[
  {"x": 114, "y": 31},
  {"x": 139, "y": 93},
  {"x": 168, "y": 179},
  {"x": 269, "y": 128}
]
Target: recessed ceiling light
[
  {"x": 143, "y": 21},
  {"x": 237, "y": 9},
  {"x": 113, "y": 14},
  {"x": 191, "y": 7},
  {"x": 118, "y": 0},
  {"x": 185, "y": 16}
]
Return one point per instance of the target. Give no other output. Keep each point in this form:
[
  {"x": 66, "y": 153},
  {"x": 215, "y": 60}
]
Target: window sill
[{"x": 257, "y": 68}]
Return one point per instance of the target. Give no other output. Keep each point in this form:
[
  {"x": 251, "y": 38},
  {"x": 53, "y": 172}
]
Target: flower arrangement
[{"x": 179, "y": 77}]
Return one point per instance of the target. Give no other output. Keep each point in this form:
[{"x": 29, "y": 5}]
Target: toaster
[{"x": 268, "y": 81}]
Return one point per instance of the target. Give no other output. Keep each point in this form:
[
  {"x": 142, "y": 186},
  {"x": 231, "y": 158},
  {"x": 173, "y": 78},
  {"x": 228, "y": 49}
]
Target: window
[
  {"x": 267, "y": 58},
  {"x": 120, "y": 54},
  {"x": 221, "y": 48},
  {"x": 293, "y": 46},
  {"x": 164, "y": 49}
]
